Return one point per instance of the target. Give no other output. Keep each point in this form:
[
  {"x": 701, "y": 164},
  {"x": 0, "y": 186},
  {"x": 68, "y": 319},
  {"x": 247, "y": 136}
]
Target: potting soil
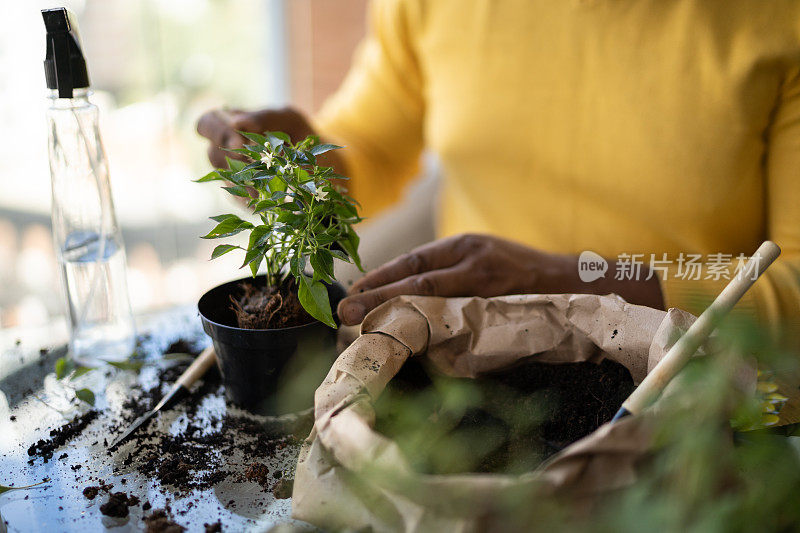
[
  {"x": 262, "y": 307},
  {"x": 506, "y": 422}
]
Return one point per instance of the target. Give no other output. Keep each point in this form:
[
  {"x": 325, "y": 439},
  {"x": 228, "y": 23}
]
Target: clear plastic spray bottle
[{"x": 87, "y": 238}]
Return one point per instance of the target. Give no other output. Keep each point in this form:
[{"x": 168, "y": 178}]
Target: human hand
[
  {"x": 485, "y": 266},
  {"x": 463, "y": 265},
  {"x": 221, "y": 127}
]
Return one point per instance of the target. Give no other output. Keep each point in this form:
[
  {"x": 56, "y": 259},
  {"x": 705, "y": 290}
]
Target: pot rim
[{"x": 313, "y": 322}]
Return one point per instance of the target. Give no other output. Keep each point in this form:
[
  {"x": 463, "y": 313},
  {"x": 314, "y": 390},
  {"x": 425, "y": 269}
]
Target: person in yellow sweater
[{"x": 662, "y": 135}]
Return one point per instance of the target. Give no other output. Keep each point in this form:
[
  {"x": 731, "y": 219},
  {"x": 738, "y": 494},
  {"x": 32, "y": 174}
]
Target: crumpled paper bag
[{"x": 351, "y": 477}]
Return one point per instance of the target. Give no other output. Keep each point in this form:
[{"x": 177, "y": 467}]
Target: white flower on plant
[
  {"x": 267, "y": 157},
  {"x": 320, "y": 194}
]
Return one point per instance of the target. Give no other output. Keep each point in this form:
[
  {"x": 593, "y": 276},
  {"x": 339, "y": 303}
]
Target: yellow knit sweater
[{"x": 617, "y": 126}]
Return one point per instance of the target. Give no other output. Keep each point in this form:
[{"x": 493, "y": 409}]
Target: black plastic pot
[{"x": 269, "y": 371}]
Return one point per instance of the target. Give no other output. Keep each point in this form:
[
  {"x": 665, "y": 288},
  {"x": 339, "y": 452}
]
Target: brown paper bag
[{"x": 351, "y": 477}]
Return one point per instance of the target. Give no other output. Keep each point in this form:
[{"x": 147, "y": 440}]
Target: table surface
[{"x": 39, "y": 402}]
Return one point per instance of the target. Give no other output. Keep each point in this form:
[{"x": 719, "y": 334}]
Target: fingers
[
  {"x": 432, "y": 256},
  {"x": 215, "y": 125},
  {"x": 452, "y": 281},
  {"x": 217, "y": 156},
  {"x": 221, "y": 128}
]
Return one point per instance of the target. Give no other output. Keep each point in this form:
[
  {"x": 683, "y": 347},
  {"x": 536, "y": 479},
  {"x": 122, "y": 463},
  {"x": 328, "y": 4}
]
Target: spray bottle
[{"x": 87, "y": 238}]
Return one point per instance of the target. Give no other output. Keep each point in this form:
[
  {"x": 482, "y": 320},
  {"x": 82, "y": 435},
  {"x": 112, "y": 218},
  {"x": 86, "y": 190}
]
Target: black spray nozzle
[{"x": 64, "y": 65}]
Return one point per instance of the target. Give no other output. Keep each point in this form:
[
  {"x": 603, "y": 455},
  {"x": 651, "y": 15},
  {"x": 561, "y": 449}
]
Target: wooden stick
[
  {"x": 680, "y": 353},
  {"x": 199, "y": 366}
]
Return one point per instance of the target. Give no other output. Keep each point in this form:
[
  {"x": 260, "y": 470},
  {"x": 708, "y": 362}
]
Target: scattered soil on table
[
  {"x": 160, "y": 521},
  {"x": 195, "y": 458},
  {"x": 505, "y": 422},
  {"x": 117, "y": 505},
  {"x": 216, "y": 527},
  {"x": 59, "y": 436},
  {"x": 283, "y": 488},
  {"x": 261, "y": 307}
]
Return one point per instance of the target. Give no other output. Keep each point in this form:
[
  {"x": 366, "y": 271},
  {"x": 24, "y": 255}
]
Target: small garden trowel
[{"x": 179, "y": 391}]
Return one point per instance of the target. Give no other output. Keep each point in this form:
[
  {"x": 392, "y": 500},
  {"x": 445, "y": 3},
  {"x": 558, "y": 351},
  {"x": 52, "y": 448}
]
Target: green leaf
[
  {"x": 279, "y": 195},
  {"x": 277, "y": 184},
  {"x": 63, "y": 367},
  {"x": 211, "y": 176},
  {"x": 238, "y": 190},
  {"x": 283, "y": 228},
  {"x": 228, "y": 227},
  {"x": 176, "y": 356},
  {"x": 322, "y": 148},
  {"x": 264, "y": 174},
  {"x": 127, "y": 365},
  {"x": 250, "y": 154},
  {"x": 85, "y": 395},
  {"x": 310, "y": 140},
  {"x": 290, "y": 206},
  {"x": 255, "y": 137},
  {"x": 314, "y": 298},
  {"x": 3, "y": 488},
  {"x": 252, "y": 166},
  {"x": 345, "y": 210},
  {"x": 322, "y": 263},
  {"x": 277, "y": 138},
  {"x": 81, "y": 370},
  {"x": 324, "y": 238},
  {"x": 295, "y": 220},
  {"x": 223, "y": 249},
  {"x": 259, "y": 236},
  {"x": 222, "y": 218},
  {"x": 255, "y": 264},
  {"x": 338, "y": 254},
  {"x": 297, "y": 265},
  {"x": 234, "y": 164},
  {"x": 350, "y": 245},
  {"x": 264, "y": 205},
  {"x": 252, "y": 255}
]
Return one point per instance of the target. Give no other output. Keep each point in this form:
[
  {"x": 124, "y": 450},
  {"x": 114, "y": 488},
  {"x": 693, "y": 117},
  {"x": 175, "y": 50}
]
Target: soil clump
[
  {"x": 160, "y": 521},
  {"x": 216, "y": 527},
  {"x": 117, "y": 505},
  {"x": 259, "y": 473}
]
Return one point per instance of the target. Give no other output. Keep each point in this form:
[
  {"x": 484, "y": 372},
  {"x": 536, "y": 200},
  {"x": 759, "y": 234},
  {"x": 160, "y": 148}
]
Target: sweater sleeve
[
  {"x": 775, "y": 298},
  {"x": 377, "y": 112}
]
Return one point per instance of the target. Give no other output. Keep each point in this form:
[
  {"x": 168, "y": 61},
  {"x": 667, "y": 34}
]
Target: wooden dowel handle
[
  {"x": 680, "y": 353},
  {"x": 199, "y": 366}
]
